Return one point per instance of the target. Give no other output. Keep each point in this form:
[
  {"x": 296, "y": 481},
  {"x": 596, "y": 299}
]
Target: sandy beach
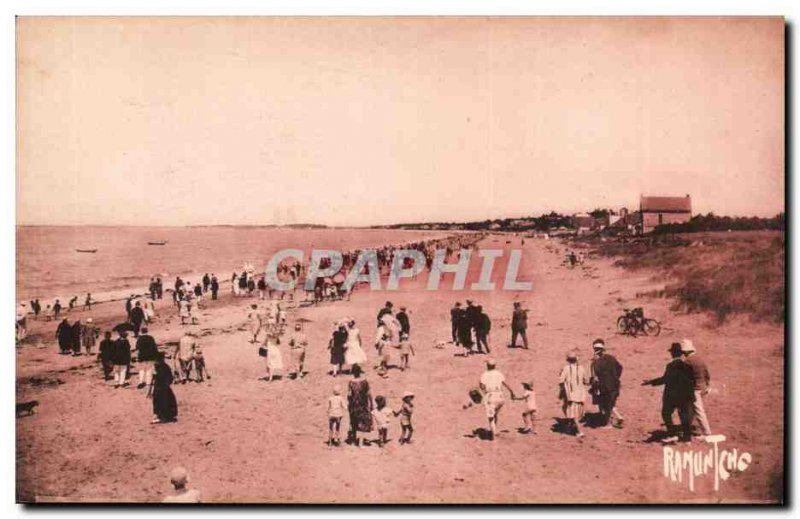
[{"x": 247, "y": 440}]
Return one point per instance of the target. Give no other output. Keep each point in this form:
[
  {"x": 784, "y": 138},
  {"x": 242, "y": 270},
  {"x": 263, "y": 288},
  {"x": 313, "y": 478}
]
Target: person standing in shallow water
[
  {"x": 165, "y": 406},
  {"x": 359, "y": 406}
]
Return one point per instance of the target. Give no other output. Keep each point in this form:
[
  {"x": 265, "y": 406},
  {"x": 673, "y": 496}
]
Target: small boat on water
[
  {"x": 89, "y": 251},
  {"x": 157, "y": 242}
]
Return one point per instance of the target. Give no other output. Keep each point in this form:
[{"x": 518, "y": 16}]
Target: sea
[{"x": 49, "y": 266}]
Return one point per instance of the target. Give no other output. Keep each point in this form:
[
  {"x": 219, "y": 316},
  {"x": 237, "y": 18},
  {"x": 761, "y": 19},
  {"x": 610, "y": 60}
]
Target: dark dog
[{"x": 26, "y": 408}]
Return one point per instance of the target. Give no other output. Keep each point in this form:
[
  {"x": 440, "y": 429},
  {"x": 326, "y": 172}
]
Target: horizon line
[{"x": 353, "y": 226}]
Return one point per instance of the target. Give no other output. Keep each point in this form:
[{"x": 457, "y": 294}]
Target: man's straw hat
[{"x": 179, "y": 476}]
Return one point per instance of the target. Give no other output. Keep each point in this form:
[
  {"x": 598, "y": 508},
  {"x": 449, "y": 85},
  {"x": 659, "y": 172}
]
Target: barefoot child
[
  {"x": 336, "y": 409},
  {"x": 406, "y": 349},
  {"x": 200, "y": 369},
  {"x": 405, "y": 412},
  {"x": 382, "y": 416},
  {"x": 529, "y": 415}
]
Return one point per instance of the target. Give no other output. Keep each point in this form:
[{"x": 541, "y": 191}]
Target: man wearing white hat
[
  {"x": 605, "y": 383},
  {"x": 702, "y": 378},
  {"x": 492, "y": 384}
]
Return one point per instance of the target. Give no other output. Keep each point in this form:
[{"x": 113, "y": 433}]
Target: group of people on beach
[
  {"x": 188, "y": 297},
  {"x": 77, "y": 337},
  {"x": 470, "y": 327},
  {"x": 685, "y": 378},
  {"x": 366, "y": 413},
  {"x": 51, "y": 312},
  {"x": 686, "y": 381},
  {"x": 392, "y": 333},
  {"x": 248, "y": 283}
]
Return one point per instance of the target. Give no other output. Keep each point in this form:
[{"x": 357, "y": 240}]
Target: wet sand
[{"x": 243, "y": 439}]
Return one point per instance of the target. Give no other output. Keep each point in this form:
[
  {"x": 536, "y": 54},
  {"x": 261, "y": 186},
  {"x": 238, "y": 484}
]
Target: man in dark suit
[
  {"x": 519, "y": 325},
  {"x": 482, "y": 328},
  {"x": 605, "y": 380},
  {"x": 105, "y": 355},
  {"x": 136, "y": 318},
  {"x": 146, "y": 353},
  {"x": 678, "y": 382},
  {"x": 455, "y": 314},
  {"x": 405, "y": 324},
  {"x": 121, "y": 359}
]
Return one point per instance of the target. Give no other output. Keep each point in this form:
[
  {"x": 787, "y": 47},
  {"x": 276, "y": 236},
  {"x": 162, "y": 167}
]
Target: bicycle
[{"x": 633, "y": 323}]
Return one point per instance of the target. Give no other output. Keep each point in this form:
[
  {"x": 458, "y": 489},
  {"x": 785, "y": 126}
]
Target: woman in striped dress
[{"x": 573, "y": 388}]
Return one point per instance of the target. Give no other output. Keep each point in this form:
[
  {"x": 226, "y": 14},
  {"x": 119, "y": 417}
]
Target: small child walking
[
  {"x": 382, "y": 415},
  {"x": 405, "y": 412},
  {"x": 406, "y": 349},
  {"x": 529, "y": 414},
  {"x": 336, "y": 408},
  {"x": 200, "y": 365}
]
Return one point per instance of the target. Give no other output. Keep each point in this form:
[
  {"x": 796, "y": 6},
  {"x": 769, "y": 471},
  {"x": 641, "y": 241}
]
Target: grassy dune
[{"x": 720, "y": 272}]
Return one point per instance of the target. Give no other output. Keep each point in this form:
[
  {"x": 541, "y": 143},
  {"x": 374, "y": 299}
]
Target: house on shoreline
[{"x": 659, "y": 210}]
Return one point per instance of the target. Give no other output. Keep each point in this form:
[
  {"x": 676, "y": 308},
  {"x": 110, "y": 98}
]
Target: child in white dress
[
  {"x": 382, "y": 416},
  {"x": 529, "y": 414},
  {"x": 406, "y": 350}
]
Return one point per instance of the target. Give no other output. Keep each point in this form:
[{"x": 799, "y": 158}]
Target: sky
[{"x": 365, "y": 121}]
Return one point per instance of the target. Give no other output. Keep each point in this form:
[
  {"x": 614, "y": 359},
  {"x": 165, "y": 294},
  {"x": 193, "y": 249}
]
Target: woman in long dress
[
  {"x": 274, "y": 357},
  {"x": 359, "y": 406},
  {"x": 354, "y": 354},
  {"x": 573, "y": 389},
  {"x": 337, "y": 347},
  {"x": 149, "y": 309},
  {"x": 165, "y": 407},
  {"x": 254, "y": 322}
]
